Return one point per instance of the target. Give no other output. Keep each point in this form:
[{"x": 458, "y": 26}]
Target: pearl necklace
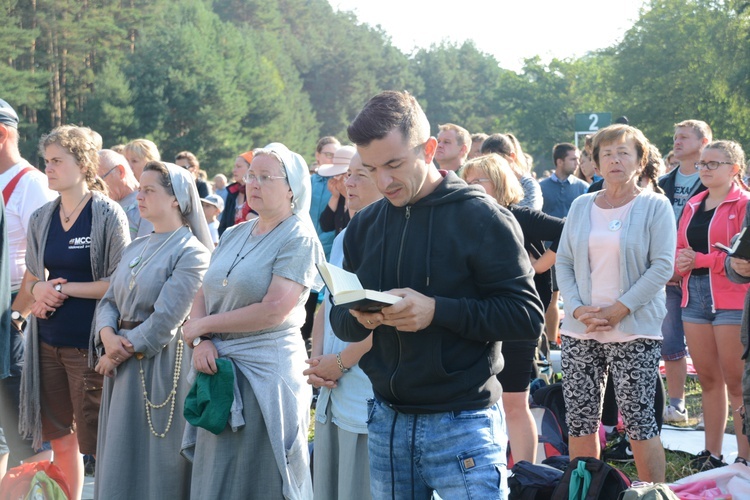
[
  {"x": 172, "y": 395},
  {"x": 133, "y": 264}
]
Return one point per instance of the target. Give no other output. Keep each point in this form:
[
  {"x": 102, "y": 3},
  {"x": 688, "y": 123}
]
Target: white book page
[{"x": 343, "y": 280}]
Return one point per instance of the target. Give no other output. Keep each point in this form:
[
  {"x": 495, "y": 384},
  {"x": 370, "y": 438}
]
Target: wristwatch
[
  {"x": 58, "y": 287},
  {"x": 16, "y": 317},
  {"x": 198, "y": 340}
]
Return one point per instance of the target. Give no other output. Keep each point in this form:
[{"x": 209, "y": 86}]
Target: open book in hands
[
  {"x": 740, "y": 248},
  {"x": 347, "y": 291}
]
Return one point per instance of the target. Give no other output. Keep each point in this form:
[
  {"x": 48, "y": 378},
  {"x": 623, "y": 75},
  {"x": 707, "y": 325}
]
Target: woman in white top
[{"x": 612, "y": 266}]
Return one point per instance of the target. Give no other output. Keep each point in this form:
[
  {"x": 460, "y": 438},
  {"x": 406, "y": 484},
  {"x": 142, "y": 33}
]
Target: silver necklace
[
  {"x": 66, "y": 216},
  {"x": 134, "y": 264},
  {"x": 614, "y": 224}
]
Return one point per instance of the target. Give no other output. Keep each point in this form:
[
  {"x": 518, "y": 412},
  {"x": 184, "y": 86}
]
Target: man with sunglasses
[
  {"x": 123, "y": 188},
  {"x": 679, "y": 185},
  {"x": 457, "y": 260}
]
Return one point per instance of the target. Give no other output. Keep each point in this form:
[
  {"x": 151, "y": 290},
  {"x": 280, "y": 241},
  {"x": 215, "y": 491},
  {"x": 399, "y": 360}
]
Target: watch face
[
  {"x": 15, "y": 315},
  {"x": 58, "y": 287},
  {"x": 196, "y": 341}
]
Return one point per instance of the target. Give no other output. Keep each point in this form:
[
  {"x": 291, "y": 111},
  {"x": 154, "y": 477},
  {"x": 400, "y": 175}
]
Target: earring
[{"x": 292, "y": 205}]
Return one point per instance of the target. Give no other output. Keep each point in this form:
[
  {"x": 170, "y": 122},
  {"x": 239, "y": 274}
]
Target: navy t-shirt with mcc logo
[{"x": 68, "y": 255}]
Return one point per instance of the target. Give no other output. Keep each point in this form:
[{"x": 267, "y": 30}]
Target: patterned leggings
[{"x": 633, "y": 365}]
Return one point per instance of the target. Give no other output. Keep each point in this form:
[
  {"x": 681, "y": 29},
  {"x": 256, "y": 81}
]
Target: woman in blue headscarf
[{"x": 249, "y": 311}]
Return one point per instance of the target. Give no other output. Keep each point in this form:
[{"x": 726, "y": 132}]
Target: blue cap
[{"x": 8, "y": 115}]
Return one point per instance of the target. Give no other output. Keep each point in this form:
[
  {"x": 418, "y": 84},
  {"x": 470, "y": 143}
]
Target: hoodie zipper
[{"x": 398, "y": 281}]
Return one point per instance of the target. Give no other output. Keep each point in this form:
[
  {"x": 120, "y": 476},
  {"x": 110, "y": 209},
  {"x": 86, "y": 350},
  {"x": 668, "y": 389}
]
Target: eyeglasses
[
  {"x": 262, "y": 179},
  {"x": 711, "y": 165},
  {"x": 479, "y": 181},
  {"x": 110, "y": 171},
  {"x": 328, "y": 155}
]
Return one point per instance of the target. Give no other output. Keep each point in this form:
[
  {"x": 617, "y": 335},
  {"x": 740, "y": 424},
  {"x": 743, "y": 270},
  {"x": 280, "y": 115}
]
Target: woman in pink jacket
[{"x": 711, "y": 304}]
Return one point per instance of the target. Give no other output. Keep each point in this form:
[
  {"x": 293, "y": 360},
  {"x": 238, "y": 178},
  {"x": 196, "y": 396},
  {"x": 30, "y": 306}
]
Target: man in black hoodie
[{"x": 456, "y": 258}]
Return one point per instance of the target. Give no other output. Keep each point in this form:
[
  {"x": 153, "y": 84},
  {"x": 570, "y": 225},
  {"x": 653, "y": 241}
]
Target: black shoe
[
  {"x": 705, "y": 461},
  {"x": 89, "y": 465},
  {"x": 618, "y": 450}
]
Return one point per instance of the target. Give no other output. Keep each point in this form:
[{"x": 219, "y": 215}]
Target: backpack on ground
[
  {"x": 549, "y": 434},
  {"x": 590, "y": 479},
  {"x": 528, "y": 481},
  {"x": 658, "y": 491},
  {"x": 551, "y": 396},
  {"x": 37, "y": 480}
]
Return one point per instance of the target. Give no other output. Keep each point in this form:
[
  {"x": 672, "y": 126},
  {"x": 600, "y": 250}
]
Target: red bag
[{"x": 17, "y": 481}]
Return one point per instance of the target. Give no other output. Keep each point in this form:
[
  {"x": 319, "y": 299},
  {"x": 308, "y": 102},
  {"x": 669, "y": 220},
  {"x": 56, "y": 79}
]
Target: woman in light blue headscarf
[
  {"x": 250, "y": 310},
  {"x": 141, "y": 350}
]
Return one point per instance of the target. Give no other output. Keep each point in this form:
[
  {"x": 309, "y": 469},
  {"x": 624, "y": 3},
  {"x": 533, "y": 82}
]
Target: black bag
[
  {"x": 592, "y": 479},
  {"x": 551, "y": 396},
  {"x": 532, "y": 482}
]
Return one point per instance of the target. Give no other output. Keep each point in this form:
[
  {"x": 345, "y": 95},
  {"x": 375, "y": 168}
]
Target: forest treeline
[{"x": 218, "y": 77}]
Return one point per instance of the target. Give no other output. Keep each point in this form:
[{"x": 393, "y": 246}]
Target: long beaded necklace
[
  {"x": 133, "y": 264},
  {"x": 236, "y": 262},
  {"x": 171, "y": 397}
]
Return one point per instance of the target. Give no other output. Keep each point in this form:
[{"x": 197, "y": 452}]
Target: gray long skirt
[{"x": 237, "y": 464}]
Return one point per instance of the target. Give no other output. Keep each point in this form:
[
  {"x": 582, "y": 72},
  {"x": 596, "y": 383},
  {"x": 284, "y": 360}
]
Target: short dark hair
[
  {"x": 190, "y": 157},
  {"x": 165, "y": 180},
  {"x": 325, "y": 141},
  {"x": 478, "y": 137},
  {"x": 497, "y": 143},
  {"x": 387, "y": 111},
  {"x": 560, "y": 151}
]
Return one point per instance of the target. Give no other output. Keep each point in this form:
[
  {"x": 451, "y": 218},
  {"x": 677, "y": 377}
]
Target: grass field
[{"x": 677, "y": 461}]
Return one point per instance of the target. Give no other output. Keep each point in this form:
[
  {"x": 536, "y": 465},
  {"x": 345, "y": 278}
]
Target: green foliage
[{"x": 461, "y": 85}]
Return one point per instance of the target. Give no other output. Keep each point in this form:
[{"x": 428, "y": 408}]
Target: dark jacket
[
  {"x": 538, "y": 227},
  {"x": 444, "y": 246},
  {"x": 230, "y": 205},
  {"x": 335, "y": 221},
  {"x": 667, "y": 183}
]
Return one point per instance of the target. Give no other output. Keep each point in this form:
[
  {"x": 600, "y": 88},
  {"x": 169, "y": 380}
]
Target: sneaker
[
  {"x": 701, "y": 425},
  {"x": 672, "y": 415},
  {"x": 740, "y": 460},
  {"x": 609, "y": 437},
  {"x": 618, "y": 450},
  {"x": 705, "y": 461}
]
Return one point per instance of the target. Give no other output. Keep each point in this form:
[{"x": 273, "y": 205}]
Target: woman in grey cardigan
[
  {"x": 615, "y": 256},
  {"x": 74, "y": 244},
  {"x": 138, "y": 325}
]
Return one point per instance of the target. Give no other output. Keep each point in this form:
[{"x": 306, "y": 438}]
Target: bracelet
[
  {"x": 341, "y": 365},
  {"x": 32, "y": 286}
]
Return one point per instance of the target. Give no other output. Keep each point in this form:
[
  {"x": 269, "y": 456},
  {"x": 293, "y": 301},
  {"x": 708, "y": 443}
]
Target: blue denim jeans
[
  {"x": 456, "y": 454},
  {"x": 673, "y": 347}
]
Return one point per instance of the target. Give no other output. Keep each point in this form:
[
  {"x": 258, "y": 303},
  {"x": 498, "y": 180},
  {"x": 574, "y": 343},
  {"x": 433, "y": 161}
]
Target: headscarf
[
  {"x": 183, "y": 185},
  {"x": 298, "y": 177},
  {"x": 247, "y": 156}
]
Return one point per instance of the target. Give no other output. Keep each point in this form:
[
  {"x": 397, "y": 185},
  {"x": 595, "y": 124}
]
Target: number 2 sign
[{"x": 591, "y": 122}]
